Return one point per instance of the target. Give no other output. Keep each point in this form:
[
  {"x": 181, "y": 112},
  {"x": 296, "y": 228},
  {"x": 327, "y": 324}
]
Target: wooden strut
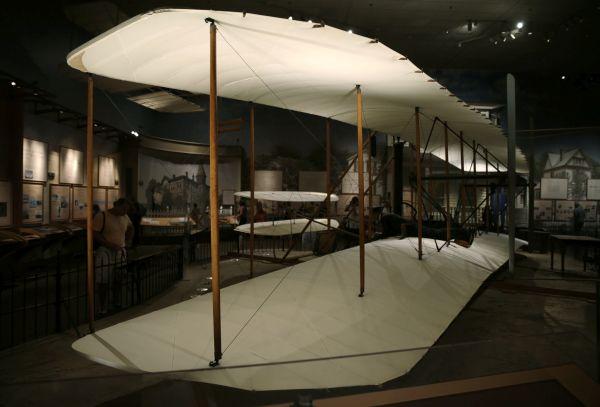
[
  {"x": 214, "y": 198},
  {"x": 322, "y": 205},
  {"x": 462, "y": 184},
  {"x": 487, "y": 195},
  {"x": 475, "y": 177},
  {"x": 252, "y": 200},
  {"x": 328, "y": 170},
  {"x": 419, "y": 183},
  {"x": 447, "y": 185},
  {"x": 370, "y": 191},
  {"x": 90, "y": 199},
  {"x": 361, "y": 189}
]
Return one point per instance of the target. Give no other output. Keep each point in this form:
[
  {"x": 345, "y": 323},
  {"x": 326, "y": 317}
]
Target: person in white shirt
[{"x": 112, "y": 230}]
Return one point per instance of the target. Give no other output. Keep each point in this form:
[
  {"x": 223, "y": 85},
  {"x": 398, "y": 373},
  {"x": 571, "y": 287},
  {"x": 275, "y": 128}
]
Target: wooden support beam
[
  {"x": 447, "y": 184},
  {"x": 90, "y": 199},
  {"x": 463, "y": 197},
  {"x": 475, "y": 179},
  {"x": 361, "y": 189},
  {"x": 214, "y": 199},
  {"x": 419, "y": 183},
  {"x": 328, "y": 169},
  {"x": 487, "y": 194},
  {"x": 370, "y": 192},
  {"x": 252, "y": 200}
]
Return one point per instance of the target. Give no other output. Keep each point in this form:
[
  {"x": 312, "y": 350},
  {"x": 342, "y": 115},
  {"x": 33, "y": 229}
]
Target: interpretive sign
[
  {"x": 33, "y": 203},
  {"x": 100, "y": 198},
  {"x": 5, "y": 203},
  {"x": 593, "y": 189},
  {"x": 111, "y": 196},
  {"x": 79, "y": 203},
  {"x": 106, "y": 171},
  {"x": 35, "y": 160},
  {"x": 554, "y": 188},
  {"x": 59, "y": 203},
  {"x": 71, "y": 166}
]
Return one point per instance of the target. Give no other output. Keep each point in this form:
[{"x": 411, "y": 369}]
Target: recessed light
[
  {"x": 520, "y": 25},
  {"x": 563, "y": 77},
  {"x": 512, "y": 36},
  {"x": 13, "y": 83}
]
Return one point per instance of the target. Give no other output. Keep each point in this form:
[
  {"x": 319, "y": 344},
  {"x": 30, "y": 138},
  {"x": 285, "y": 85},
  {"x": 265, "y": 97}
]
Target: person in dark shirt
[
  {"x": 242, "y": 213},
  {"x": 578, "y": 218}
]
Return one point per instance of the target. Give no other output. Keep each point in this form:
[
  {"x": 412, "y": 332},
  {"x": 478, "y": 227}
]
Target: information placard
[
  {"x": 5, "y": 203},
  {"x": 33, "y": 203},
  {"x": 71, "y": 166},
  {"x": 79, "y": 203},
  {"x": 35, "y": 160},
  {"x": 100, "y": 198},
  {"x": 60, "y": 198},
  {"x": 554, "y": 188},
  {"x": 593, "y": 189},
  {"x": 111, "y": 196},
  {"x": 106, "y": 171}
]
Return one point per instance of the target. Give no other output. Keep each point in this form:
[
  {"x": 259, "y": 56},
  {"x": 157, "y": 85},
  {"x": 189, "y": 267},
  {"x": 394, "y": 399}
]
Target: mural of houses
[{"x": 573, "y": 165}]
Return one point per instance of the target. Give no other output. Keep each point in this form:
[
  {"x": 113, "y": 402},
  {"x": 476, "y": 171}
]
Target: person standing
[
  {"x": 112, "y": 231},
  {"x": 578, "y": 218}
]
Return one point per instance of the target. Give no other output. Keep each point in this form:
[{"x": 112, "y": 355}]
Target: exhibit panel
[
  {"x": 71, "y": 166},
  {"x": 60, "y": 203},
  {"x": 33, "y": 203},
  {"x": 100, "y": 198},
  {"x": 112, "y": 195},
  {"x": 79, "y": 203},
  {"x": 266, "y": 180},
  {"x": 35, "y": 160},
  {"x": 5, "y": 203},
  {"x": 106, "y": 171}
]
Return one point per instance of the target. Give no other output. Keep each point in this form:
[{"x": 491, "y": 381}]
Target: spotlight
[
  {"x": 529, "y": 33},
  {"x": 504, "y": 39},
  {"x": 447, "y": 31},
  {"x": 563, "y": 77},
  {"x": 135, "y": 133},
  {"x": 548, "y": 40},
  {"x": 520, "y": 25},
  {"x": 350, "y": 31},
  {"x": 496, "y": 42},
  {"x": 13, "y": 83},
  {"x": 512, "y": 36}
]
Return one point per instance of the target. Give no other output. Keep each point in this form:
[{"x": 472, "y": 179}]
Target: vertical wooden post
[
  {"x": 252, "y": 201},
  {"x": 361, "y": 189},
  {"x": 430, "y": 185},
  {"x": 447, "y": 186},
  {"x": 512, "y": 161},
  {"x": 462, "y": 182},
  {"x": 475, "y": 200},
  {"x": 487, "y": 193},
  {"x": 89, "y": 192},
  {"x": 214, "y": 198},
  {"x": 419, "y": 183},
  {"x": 328, "y": 169},
  {"x": 370, "y": 197}
]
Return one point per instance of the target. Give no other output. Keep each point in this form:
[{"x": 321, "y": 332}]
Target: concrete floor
[{"x": 507, "y": 327}]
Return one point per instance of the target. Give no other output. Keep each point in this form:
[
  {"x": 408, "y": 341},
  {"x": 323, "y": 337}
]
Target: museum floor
[{"x": 512, "y": 324}]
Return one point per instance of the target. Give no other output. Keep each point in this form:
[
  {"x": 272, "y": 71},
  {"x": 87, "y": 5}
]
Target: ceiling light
[
  {"x": 310, "y": 21},
  {"x": 13, "y": 83},
  {"x": 512, "y": 36},
  {"x": 447, "y": 31},
  {"x": 350, "y": 31},
  {"x": 563, "y": 77},
  {"x": 135, "y": 133},
  {"x": 547, "y": 39},
  {"x": 504, "y": 39},
  {"x": 520, "y": 25},
  {"x": 529, "y": 33},
  {"x": 496, "y": 42}
]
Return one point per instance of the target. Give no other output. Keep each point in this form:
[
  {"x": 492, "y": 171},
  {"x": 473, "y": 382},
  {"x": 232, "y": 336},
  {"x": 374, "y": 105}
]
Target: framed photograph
[
  {"x": 35, "y": 160},
  {"x": 107, "y": 170},
  {"x": 5, "y": 203},
  {"x": 60, "y": 203},
  {"x": 79, "y": 203},
  {"x": 33, "y": 203},
  {"x": 71, "y": 166}
]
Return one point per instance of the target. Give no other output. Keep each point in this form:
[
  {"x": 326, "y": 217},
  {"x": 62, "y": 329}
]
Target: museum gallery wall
[{"x": 53, "y": 177}]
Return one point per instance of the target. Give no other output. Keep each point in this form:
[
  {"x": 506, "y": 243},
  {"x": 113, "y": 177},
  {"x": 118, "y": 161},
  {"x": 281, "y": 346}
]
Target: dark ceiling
[{"x": 434, "y": 34}]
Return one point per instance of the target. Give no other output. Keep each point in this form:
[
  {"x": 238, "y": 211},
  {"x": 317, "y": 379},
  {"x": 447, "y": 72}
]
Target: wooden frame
[{"x": 45, "y": 172}]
